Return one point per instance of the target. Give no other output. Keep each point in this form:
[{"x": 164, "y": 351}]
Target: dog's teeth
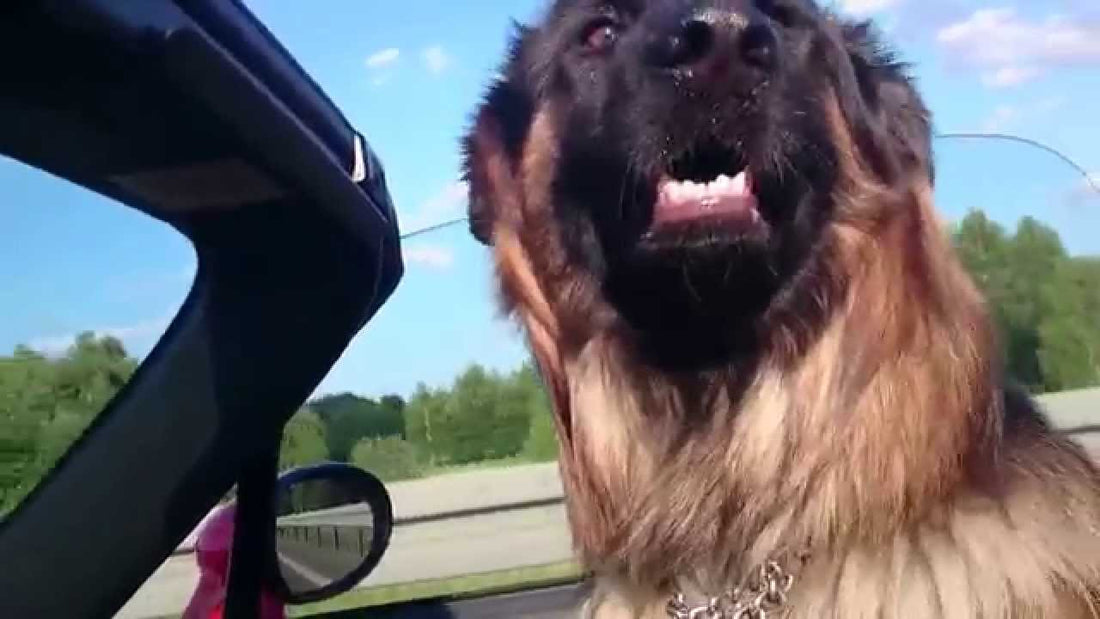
[
  {"x": 679, "y": 192},
  {"x": 693, "y": 191},
  {"x": 676, "y": 193},
  {"x": 738, "y": 184}
]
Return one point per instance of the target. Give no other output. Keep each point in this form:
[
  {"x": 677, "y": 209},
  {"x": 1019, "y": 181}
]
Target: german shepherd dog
[{"x": 777, "y": 391}]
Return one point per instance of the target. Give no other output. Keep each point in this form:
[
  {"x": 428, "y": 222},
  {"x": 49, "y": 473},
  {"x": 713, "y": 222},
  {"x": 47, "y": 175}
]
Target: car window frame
[{"x": 205, "y": 371}]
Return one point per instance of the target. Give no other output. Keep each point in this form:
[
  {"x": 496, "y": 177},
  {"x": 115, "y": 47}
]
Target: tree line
[
  {"x": 1046, "y": 305},
  {"x": 483, "y": 416},
  {"x": 46, "y": 403}
]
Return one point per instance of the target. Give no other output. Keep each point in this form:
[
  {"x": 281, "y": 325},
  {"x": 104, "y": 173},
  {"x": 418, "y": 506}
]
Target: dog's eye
[{"x": 600, "y": 35}]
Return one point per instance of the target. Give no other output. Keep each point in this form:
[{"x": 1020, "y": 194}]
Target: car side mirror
[{"x": 332, "y": 525}]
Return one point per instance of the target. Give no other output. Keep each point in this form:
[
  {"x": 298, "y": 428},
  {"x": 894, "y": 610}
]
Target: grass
[
  {"x": 487, "y": 583},
  {"x": 520, "y": 460}
]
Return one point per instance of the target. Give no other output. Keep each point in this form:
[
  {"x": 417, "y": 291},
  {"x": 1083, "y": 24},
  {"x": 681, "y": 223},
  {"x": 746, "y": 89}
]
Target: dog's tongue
[{"x": 725, "y": 197}]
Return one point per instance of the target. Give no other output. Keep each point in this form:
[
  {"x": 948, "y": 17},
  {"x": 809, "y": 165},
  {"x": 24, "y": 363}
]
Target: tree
[
  {"x": 303, "y": 441},
  {"x": 1045, "y": 303},
  {"x": 541, "y": 444},
  {"x": 482, "y": 417},
  {"x": 91, "y": 373},
  {"x": 391, "y": 416},
  {"x": 1069, "y": 329},
  {"x": 983, "y": 247},
  {"x": 350, "y": 418},
  {"x": 391, "y": 458},
  {"x": 425, "y": 406},
  {"x": 1034, "y": 258},
  {"x": 542, "y": 440},
  {"x": 46, "y": 404},
  {"x": 23, "y": 403}
]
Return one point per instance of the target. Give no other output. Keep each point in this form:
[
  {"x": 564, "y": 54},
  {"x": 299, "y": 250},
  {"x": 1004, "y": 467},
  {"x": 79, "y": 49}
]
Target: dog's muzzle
[{"x": 709, "y": 49}]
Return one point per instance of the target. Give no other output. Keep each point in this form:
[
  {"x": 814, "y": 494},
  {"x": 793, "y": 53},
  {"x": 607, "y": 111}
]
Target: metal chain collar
[{"x": 765, "y": 592}]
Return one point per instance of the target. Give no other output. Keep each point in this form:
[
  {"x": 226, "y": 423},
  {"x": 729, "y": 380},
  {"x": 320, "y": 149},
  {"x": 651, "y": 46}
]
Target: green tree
[
  {"x": 483, "y": 417},
  {"x": 425, "y": 406},
  {"x": 391, "y": 458},
  {"x": 350, "y": 418},
  {"x": 542, "y": 441},
  {"x": 1034, "y": 259},
  {"x": 47, "y": 403},
  {"x": 1069, "y": 329},
  {"x": 1046, "y": 304},
  {"x": 91, "y": 373},
  {"x": 983, "y": 247},
  {"x": 392, "y": 416},
  {"x": 24, "y": 402},
  {"x": 541, "y": 444},
  {"x": 303, "y": 441}
]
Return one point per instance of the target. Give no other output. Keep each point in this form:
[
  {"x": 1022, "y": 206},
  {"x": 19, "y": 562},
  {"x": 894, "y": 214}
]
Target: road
[
  {"x": 422, "y": 550},
  {"x": 313, "y": 556}
]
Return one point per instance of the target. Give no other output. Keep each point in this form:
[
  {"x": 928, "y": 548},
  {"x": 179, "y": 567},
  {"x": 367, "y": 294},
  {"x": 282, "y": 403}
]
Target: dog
[{"x": 776, "y": 389}]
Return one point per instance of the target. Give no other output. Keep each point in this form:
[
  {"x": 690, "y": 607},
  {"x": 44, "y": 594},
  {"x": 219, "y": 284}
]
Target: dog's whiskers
[
  {"x": 622, "y": 189},
  {"x": 687, "y": 283}
]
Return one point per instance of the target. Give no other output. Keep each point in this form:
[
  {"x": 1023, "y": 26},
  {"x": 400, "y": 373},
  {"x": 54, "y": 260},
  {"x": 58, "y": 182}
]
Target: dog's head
[{"x": 682, "y": 160}]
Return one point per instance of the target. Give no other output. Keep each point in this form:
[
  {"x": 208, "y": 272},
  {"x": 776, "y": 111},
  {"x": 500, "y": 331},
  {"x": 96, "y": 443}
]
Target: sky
[{"x": 409, "y": 74}]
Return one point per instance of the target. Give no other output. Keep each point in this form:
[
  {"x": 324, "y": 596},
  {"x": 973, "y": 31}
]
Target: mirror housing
[{"x": 332, "y": 525}]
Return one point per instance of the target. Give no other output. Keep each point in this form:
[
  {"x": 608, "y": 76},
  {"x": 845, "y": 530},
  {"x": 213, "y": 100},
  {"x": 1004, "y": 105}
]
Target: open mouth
[{"x": 709, "y": 184}]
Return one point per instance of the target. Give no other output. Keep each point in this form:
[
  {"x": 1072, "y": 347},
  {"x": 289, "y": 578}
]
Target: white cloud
[
  {"x": 383, "y": 58},
  {"x": 1091, "y": 185},
  {"x": 449, "y": 203},
  {"x": 1085, "y": 193},
  {"x": 436, "y": 59},
  {"x": 867, "y": 7},
  {"x": 1049, "y": 104},
  {"x": 1008, "y": 49},
  {"x": 1007, "y": 117},
  {"x": 1009, "y": 76},
  {"x": 138, "y": 338},
  {"x": 1001, "y": 119},
  {"x": 432, "y": 257}
]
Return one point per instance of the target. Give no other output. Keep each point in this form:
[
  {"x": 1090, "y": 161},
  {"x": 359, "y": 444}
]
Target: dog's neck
[{"x": 884, "y": 412}]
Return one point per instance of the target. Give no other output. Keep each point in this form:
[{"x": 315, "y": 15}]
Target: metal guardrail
[{"x": 339, "y": 538}]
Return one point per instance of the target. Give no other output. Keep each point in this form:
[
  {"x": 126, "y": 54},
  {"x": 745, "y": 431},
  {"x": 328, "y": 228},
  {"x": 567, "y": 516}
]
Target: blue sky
[{"x": 408, "y": 75}]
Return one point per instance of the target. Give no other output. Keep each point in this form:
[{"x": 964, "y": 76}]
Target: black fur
[{"x": 623, "y": 124}]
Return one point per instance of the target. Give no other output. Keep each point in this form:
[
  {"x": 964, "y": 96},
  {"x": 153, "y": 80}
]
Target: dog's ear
[
  {"x": 889, "y": 96},
  {"x": 493, "y": 148}
]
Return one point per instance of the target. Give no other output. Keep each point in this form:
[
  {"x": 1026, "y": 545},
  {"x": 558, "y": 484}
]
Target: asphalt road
[
  {"x": 552, "y": 603},
  {"x": 310, "y": 562},
  {"x": 423, "y": 550},
  {"x": 354, "y": 514}
]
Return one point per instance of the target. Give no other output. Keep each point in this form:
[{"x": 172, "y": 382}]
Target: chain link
[{"x": 765, "y": 592}]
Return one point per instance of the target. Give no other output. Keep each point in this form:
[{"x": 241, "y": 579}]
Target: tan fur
[{"x": 878, "y": 451}]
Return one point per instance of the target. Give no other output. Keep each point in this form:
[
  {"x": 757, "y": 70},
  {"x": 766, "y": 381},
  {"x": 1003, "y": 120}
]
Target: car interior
[{"x": 192, "y": 113}]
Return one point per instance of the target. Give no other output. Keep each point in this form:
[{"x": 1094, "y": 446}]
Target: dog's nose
[{"x": 714, "y": 39}]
